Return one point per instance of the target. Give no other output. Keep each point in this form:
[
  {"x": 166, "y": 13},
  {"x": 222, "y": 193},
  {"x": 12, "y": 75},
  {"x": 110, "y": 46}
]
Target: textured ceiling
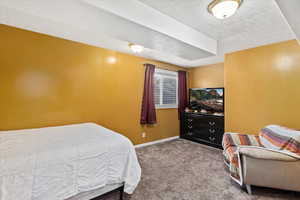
[
  {"x": 254, "y": 18},
  {"x": 290, "y": 10},
  {"x": 257, "y": 23},
  {"x": 180, "y": 32}
]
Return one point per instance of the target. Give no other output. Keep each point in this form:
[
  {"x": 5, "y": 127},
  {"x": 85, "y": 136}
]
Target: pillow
[{"x": 281, "y": 139}]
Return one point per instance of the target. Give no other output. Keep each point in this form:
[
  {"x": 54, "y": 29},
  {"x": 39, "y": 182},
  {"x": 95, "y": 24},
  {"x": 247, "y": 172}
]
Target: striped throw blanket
[
  {"x": 231, "y": 142},
  {"x": 281, "y": 139}
]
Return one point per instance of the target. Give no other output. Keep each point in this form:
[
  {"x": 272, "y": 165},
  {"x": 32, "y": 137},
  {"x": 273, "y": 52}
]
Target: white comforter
[{"x": 56, "y": 163}]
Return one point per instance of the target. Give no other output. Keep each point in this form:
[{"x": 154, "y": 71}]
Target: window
[{"x": 165, "y": 89}]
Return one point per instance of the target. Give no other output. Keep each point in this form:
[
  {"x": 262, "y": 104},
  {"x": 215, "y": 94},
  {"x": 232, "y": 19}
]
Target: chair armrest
[{"x": 266, "y": 154}]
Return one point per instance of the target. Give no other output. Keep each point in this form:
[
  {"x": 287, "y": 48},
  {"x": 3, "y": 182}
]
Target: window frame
[{"x": 162, "y": 73}]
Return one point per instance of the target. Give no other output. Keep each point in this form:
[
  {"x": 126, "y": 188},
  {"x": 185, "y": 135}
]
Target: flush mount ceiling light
[
  {"x": 222, "y": 9},
  {"x": 136, "y": 48}
]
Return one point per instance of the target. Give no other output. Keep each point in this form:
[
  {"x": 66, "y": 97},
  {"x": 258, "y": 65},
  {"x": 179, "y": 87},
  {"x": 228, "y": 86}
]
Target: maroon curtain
[
  {"x": 148, "y": 114},
  {"x": 182, "y": 92}
]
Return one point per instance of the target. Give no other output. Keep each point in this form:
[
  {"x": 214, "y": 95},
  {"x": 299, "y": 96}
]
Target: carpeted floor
[{"x": 184, "y": 170}]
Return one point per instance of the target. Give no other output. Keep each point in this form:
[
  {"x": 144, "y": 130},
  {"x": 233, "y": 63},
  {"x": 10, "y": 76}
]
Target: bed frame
[
  {"x": 97, "y": 193},
  {"x": 120, "y": 189}
]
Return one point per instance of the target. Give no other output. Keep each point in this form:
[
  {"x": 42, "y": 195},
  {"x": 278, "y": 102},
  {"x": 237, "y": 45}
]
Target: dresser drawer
[{"x": 203, "y": 123}]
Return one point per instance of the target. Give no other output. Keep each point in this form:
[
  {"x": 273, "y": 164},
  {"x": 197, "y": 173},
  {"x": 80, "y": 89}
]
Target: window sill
[{"x": 166, "y": 107}]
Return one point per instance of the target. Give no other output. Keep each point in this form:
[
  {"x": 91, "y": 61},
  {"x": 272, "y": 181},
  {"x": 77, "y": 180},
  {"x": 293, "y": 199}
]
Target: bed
[{"x": 74, "y": 162}]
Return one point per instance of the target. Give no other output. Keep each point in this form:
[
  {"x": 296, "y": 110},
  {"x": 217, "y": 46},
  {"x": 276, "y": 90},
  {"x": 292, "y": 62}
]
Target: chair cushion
[
  {"x": 266, "y": 154},
  {"x": 281, "y": 139}
]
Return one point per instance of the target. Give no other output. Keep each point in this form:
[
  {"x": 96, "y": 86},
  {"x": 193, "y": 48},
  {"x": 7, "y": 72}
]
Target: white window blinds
[{"x": 165, "y": 89}]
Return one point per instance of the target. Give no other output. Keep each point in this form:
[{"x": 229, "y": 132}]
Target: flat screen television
[{"x": 209, "y": 99}]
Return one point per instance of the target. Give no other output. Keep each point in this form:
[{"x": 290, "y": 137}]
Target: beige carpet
[{"x": 184, "y": 170}]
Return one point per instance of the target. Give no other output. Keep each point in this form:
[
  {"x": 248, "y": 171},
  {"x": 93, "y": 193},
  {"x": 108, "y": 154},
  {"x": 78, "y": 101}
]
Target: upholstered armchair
[
  {"x": 264, "y": 159},
  {"x": 267, "y": 168}
]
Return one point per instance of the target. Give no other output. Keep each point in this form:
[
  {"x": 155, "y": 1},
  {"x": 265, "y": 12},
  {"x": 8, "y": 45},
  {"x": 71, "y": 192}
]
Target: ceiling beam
[{"x": 147, "y": 16}]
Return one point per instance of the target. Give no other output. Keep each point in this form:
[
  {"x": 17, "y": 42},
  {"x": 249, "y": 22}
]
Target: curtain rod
[{"x": 163, "y": 67}]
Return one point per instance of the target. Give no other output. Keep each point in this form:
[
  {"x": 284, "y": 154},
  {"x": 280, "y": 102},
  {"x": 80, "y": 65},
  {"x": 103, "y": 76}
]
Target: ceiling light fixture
[
  {"x": 136, "y": 48},
  {"x": 223, "y": 9}
]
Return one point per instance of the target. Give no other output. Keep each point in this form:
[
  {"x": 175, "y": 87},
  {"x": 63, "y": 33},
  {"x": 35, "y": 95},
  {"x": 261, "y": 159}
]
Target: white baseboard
[{"x": 156, "y": 142}]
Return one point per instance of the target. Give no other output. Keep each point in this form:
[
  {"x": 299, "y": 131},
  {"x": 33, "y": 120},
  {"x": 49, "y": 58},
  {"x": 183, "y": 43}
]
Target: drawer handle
[
  {"x": 212, "y": 130},
  {"x": 190, "y": 127},
  {"x": 212, "y": 138},
  {"x": 212, "y": 123},
  {"x": 190, "y": 133},
  {"x": 190, "y": 120}
]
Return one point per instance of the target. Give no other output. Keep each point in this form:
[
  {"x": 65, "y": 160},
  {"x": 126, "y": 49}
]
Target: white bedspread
[{"x": 56, "y": 163}]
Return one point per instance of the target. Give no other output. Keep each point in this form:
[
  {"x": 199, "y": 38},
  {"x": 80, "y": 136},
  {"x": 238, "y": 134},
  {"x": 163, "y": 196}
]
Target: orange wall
[
  {"x": 47, "y": 81},
  {"x": 263, "y": 87},
  {"x": 208, "y": 76}
]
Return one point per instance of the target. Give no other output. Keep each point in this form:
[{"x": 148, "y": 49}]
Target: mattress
[{"x": 56, "y": 163}]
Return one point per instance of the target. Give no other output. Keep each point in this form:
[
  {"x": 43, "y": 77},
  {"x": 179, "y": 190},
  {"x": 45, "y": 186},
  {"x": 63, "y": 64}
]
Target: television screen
[{"x": 210, "y": 99}]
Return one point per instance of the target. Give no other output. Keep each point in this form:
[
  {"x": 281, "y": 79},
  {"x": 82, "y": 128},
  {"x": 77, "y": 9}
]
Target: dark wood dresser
[{"x": 202, "y": 128}]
